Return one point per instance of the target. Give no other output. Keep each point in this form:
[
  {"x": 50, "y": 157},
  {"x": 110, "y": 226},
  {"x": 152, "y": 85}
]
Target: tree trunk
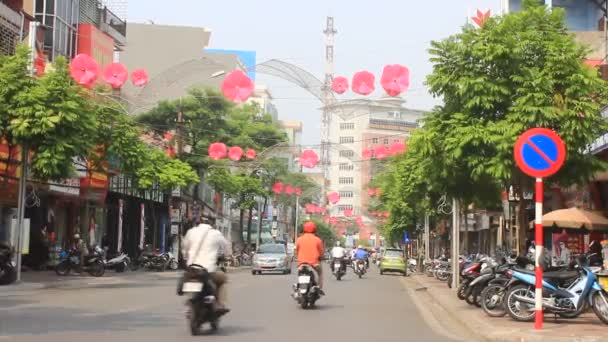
[
  {"x": 249, "y": 223},
  {"x": 522, "y": 225}
]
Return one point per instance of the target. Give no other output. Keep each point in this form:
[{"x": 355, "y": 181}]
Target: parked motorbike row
[
  {"x": 8, "y": 272},
  {"x": 507, "y": 286}
]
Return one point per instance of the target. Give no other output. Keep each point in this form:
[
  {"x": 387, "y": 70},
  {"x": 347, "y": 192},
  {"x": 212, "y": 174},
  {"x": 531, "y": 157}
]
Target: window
[
  {"x": 347, "y": 125},
  {"x": 385, "y": 141},
  {"x": 346, "y": 180},
  {"x": 348, "y": 153},
  {"x": 347, "y": 140},
  {"x": 395, "y": 114},
  {"x": 346, "y": 194},
  {"x": 343, "y": 207},
  {"x": 374, "y": 140},
  {"x": 346, "y": 167}
]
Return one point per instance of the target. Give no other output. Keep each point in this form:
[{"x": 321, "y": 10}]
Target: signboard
[
  {"x": 70, "y": 186},
  {"x": 406, "y": 237},
  {"x": 175, "y": 215},
  {"x": 539, "y": 152}
]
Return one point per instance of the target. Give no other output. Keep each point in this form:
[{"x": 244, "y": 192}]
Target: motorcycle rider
[
  {"x": 309, "y": 250},
  {"x": 202, "y": 246},
  {"x": 338, "y": 253},
  {"x": 80, "y": 248},
  {"x": 361, "y": 254}
]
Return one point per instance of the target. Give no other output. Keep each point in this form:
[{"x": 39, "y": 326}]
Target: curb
[{"x": 487, "y": 331}]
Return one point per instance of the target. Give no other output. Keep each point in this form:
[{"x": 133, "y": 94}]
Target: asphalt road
[{"x": 374, "y": 308}]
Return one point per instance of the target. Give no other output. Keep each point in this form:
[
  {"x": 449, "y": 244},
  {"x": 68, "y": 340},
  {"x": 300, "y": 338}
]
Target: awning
[{"x": 575, "y": 218}]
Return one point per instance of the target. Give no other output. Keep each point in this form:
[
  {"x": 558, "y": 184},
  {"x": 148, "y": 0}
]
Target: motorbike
[
  {"x": 306, "y": 290},
  {"x": 119, "y": 262},
  {"x": 338, "y": 268},
  {"x": 442, "y": 270},
  {"x": 155, "y": 260},
  {"x": 492, "y": 296},
  {"x": 360, "y": 268},
  {"x": 412, "y": 266},
  {"x": 8, "y": 272},
  {"x": 202, "y": 299},
  {"x": 470, "y": 271},
  {"x": 93, "y": 263},
  {"x": 566, "y": 293}
]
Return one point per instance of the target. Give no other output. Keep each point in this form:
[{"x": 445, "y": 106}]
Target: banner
[
  {"x": 120, "y": 205},
  {"x": 142, "y": 227}
]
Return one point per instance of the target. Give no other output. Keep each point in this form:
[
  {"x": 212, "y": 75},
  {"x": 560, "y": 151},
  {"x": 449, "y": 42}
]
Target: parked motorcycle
[
  {"x": 119, "y": 262},
  {"x": 360, "y": 268},
  {"x": 8, "y": 272},
  {"x": 93, "y": 263},
  {"x": 412, "y": 266},
  {"x": 564, "y": 292},
  {"x": 339, "y": 270},
  {"x": 155, "y": 261},
  {"x": 306, "y": 290},
  {"x": 202, "y": 302}
]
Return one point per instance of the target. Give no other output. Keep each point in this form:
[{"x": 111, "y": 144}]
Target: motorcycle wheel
[
  {"x": 469, "y": 297},
  {"x": 600, "y": 305},
  {"x": 574, "y": 314},
  {"x": 360, "y": 275},
  {"x": 63, "y": 268},
  {"x": 516, "y": 309},
  {"x": 134, "y": 265},
  {"x": 477, "y": 295},
  {"x": 449, "y": 281},
  {"x": 173, "y": 264},
  {"x": 492, "y": 301},
  {"x": 304, "y": 303},
  {"x": 97, "y": 269},
  {"x": 215, "y": 325},
  {"x": 442, "y": 276},
  {"x": 339, "y": 276},
  {"x": 461, "y": 290},
  {"x": 121, "y": 267},
  {"x": 9, "y": 275},
  {"x": 193, "y": 323},
  {"x": 428, "y": 271}
]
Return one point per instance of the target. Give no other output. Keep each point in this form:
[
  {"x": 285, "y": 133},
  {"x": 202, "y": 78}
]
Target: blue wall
[
  {"x": 581, "y": 15},
  {"x": 248, "y": 58}
]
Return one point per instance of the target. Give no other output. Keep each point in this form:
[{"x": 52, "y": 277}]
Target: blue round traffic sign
[{"x": 539, "y": 152}]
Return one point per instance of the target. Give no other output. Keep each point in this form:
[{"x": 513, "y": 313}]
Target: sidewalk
[{"x": 586, "y": 328}]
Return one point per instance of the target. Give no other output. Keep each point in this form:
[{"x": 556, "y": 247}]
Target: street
[{"x": 374, "y": 308}]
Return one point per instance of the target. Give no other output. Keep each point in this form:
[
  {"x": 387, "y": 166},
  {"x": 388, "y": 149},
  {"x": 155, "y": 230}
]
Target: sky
[{"x": 370, "y": 35}]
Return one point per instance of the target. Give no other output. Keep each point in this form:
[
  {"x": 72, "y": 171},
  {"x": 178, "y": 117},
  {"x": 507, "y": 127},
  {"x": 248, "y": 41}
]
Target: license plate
[
  {"x": 304, "y": 279},
  {"x": 192, "y": 287},
  {"x": 337, "y": 265}
]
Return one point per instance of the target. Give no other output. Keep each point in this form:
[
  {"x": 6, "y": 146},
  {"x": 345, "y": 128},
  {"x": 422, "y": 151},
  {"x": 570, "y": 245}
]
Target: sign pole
[{"x": 538, "y": 227}]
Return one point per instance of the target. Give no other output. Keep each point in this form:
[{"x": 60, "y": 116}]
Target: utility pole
[
  {"x": 179, "y": 133},
  {"x": 455, "y": 244},
  {"x": 427, "y": 249},
  {"x": 261, "y": 210},
  {"x": 329, "y": 32},
  {"x": 295, "y": 228}
]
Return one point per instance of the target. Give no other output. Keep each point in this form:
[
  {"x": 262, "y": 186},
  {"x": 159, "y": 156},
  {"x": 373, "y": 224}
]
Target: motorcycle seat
[{"x": 552, "y": 275}]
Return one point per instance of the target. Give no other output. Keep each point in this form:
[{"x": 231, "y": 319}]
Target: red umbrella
[
  {"x": 333, "y": 197},
  {"x": 235, "y": 153},
  {"x": 339, "y": 84},
  {"x": 290, "y": 190},
  {"x": 309, "y": 159},
  {"x": 481, "y": 18},
  {"x": 395, "y": 79},
  {"x": 396, "y": 147},
  {"x": 348, "y": 212},
  {"x": 366, "y": 154},
  {"x": 298, "y": 191},
  {"x": 84, "y": 69},
  {"x": 277, "y": 188},
  {"x": 237, "y": 87},
  {"x": 363, "y": 82},
  {"x": 115, "y": 74},
  {"x": 217, "y": 151},
  {"x": 139, "y": 77},
  {"x": 250, "y": 154},
  {"x": 380, "y": 152}
]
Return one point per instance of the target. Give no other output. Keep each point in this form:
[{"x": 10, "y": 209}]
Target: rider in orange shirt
[{"x": 309, "y": 250}]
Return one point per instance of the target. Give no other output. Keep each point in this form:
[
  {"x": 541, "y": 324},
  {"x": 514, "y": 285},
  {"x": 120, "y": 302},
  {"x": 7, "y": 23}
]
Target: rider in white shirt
[{"x": 337, "y": 253}]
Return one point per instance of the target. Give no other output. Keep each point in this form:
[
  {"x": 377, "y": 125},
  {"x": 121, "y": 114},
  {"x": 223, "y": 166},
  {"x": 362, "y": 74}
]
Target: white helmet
[
  {"x": 76, "y": 236},
  {"x": 360, "y": 246},
  {"x": 337, "y": 243}
]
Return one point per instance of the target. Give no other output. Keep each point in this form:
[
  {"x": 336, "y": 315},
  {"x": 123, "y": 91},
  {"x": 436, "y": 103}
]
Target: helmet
[
  {"x": 337, "y": 243},
  {"x": 310, "y": 227},
  {"x": 76, "y": 236}
]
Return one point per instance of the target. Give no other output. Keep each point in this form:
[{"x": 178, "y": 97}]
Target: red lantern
[
  {"x": 339, "y": 84},
  {"x": 139, "y": 77},
  {"x": 84, "y": 69},
  {"x": 371, "y": 192},
  {"x": 235, "y": 153},
  {"x": 310, "y": 208},
  {"x": 115, "y": 74},
  {"x": 289, "y": 190},
  {"x": 309, "y": 159},
  {"x": 366, "y": 154},
  {"x": 237, "y": 87},
  {"x": 396, "y": 147},
  {"x": 333, "y": 197},
  {"x": 250, "y": 154},
  {"x": 363, "y": 83},
  {"x": 387, "y": 213},
  {"x": 217, "y": 151},
  {"x": 348, "y": 212},
  {"x": 380, "y": 152},
  {"x": 395, "y": 79},
  {"x": 278, "y": 188},
  {"x": 298, "y": 191},
  {"x": 333, "y": 220},
  {"x": 481, "y": 18},
  {"x": 326, "y": 219}
]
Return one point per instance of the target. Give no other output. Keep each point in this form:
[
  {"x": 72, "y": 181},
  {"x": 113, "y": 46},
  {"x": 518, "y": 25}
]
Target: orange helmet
[{"x": 310, "y": 227}]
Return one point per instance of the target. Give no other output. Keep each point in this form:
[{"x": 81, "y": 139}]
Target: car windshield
[
  {"x": 271, "y": 249},
  {"x": 393, "y": 253}
]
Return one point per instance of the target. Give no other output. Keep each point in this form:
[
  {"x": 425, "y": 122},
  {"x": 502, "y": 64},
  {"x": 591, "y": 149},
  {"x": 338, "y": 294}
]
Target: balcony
[
  {"x": 113, "y": 26},
  {"x": 399, "y": 125}
]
